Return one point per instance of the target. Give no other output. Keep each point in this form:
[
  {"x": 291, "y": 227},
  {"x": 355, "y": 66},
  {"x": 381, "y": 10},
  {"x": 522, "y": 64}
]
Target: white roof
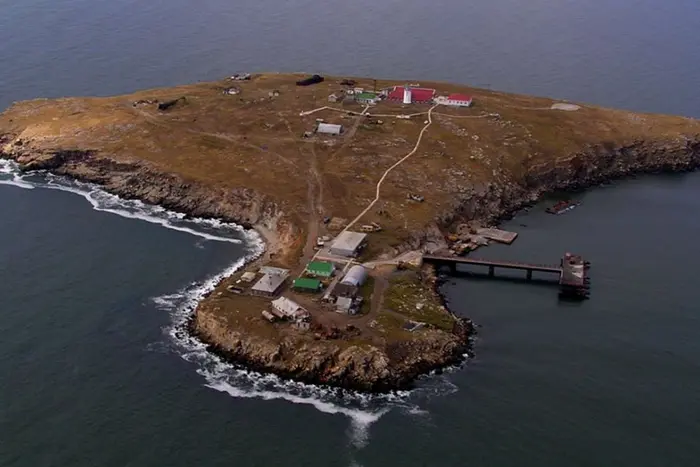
[
  {"x": 248, "y": 276},
  {"x": 344, "y": 303},
  {"x": 355, "y": 276},
  {"x": 349, "y": 241},
  {"x": 329, "y": 128},
  {"x": 288, "y": 307},
  {"x": 269, "y": 283},
  {"x": 274, "y": 271}
]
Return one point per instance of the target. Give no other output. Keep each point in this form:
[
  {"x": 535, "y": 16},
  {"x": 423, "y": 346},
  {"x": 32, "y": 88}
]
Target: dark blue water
[
  {"x": 91, "y": 372},
  {"x": 637, "y": 54}
]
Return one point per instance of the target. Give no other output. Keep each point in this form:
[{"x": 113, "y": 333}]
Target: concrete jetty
[{"x": 571, "y": 274}]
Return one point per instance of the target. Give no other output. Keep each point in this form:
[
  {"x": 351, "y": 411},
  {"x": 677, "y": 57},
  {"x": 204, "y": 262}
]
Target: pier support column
[
  {"x": 492, "y": 271},
  {"x": 529, "y": 274}
]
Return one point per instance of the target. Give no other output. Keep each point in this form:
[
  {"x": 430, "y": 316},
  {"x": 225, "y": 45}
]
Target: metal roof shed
[
  {"x": 320, "y": 268},
  {"x": 348, "y": 243},
  {"x": 269, "y": 284},
  {"x": 357, "y": 275},
  {"x": 307, "y": 284},
  {"x": 329, "y": 129}
]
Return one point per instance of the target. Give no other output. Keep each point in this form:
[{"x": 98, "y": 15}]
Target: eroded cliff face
[
  {"x": 592, "y": 166},
  {"x": 362, "y": 367},
  {"x": 136, "y": 180},
  {"x": 331, "y": 362}
]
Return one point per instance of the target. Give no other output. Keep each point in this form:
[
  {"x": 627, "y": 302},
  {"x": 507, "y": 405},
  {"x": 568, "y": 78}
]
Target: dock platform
[{"x": 571, "y": 273}]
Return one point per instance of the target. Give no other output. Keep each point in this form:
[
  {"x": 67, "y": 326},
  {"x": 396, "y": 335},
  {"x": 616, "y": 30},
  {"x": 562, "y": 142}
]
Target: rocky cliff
[
  {"x": 243, "y": 160},
  {"x": 489, "y": 202},
  {"x": 335, "y": 363}
]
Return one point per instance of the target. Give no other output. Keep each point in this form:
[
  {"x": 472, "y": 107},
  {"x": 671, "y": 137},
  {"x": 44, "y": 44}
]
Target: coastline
[
  {"x": 284, "y": 213},
  {"x": 465, "y": 329}
]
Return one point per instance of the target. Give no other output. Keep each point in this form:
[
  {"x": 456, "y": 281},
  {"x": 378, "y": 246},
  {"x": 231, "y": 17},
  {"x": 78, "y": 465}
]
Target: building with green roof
[
  {"x": 307, "y": 284},
  {"x": 367, "y": 98},
  {"x": 320, "y": 269}
]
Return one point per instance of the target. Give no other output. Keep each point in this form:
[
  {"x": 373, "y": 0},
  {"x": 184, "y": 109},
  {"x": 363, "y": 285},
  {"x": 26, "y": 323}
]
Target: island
[{"x": 349, "y": 181}]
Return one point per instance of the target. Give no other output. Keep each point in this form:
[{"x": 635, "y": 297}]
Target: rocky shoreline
[
  {"x": 352, "y": 376},
  {"x": 371, "y": 371},
  {"x": 239, "y": 161}
]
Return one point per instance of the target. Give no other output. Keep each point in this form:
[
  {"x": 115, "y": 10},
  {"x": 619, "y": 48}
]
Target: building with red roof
[
  {"x": 418, "y": 95},
  {"x": 455, "y": 100}
]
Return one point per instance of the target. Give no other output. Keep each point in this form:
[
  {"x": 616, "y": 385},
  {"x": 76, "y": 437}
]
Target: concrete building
[
  {"x": 329, "y": 129},
  {"x": 333, "y": 98},
  {"x": 288, "y": 309},
  {"x": 248, "y": 276},
  {"x": 348, "y": 244},
  {"x": 350, "y": 285},
  {"x": 367, "y": 98},
  {"x": 455, "y": 100},
  {"x": 320, "y": 268},
  {"x": 270, "y": 283},
  {"x": 414, "y": 95},
  {"x": 306, "y": 284},
  {"x": 344, "y": 305}
]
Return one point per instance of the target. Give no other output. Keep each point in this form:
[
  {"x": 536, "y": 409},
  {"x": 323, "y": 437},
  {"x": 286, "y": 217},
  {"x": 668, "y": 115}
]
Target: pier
[{"x": 571, "y": 274}]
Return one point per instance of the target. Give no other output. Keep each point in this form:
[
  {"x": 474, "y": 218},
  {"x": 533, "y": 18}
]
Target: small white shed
[{"x": 329, "y": 129}]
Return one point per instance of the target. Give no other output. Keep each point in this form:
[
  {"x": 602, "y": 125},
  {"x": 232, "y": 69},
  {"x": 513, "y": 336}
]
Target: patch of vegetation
[
  {"x": 409, "y": 296},
  {"x": 366, "y": 293},
  {"x": 391, "y": 325}
]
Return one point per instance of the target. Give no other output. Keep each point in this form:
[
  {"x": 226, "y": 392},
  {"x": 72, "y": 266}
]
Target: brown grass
[{"x": 254, "y": 141}]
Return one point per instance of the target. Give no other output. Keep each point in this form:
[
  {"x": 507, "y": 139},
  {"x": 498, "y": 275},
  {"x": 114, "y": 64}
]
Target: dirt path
[{"x": 388, "y": 171}]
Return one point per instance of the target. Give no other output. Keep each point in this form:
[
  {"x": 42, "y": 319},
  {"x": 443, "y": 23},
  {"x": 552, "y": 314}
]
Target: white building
[
  {"x": 406, "y": 95},
  {"x": 329, "y": 129},
  {"x": 270, "y": 282},
  {"x": 348, "y": 244},
  {"x": 344, "y": 305},
  {"x": 455, "y": 100},
  {"x": 288, "y": 308},
  {"x": 356, "y": 276}
]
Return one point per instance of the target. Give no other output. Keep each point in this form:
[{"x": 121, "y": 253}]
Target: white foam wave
[
  {"x": 8, "y": 167},
  {"x": 18, "y": 183},
  {"x": 11, "y": 169},
  {"x": 360, "y": 419},
  {"x": 134, "y": 209},
  {"x": 362, "y": 410},
  {"x": 207, "y": 229}
]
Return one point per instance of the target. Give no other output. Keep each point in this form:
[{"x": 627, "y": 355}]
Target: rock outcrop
[
  {"x": 334, "y": 363},
  {"x": 243, "y": 161},
  {"x": 140, "y": 181}
]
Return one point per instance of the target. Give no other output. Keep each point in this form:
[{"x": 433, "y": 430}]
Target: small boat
[{"x": 562, "y": 206}]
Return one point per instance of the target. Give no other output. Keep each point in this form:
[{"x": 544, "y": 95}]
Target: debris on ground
[
  {"x": 315, "y": 79},
  {"x": 172, "y": 103},
  {"x": 337, "y": 223},
  {"x": 372, "y": 227},
  {"x": 145, "y": 102},
  {"x": 240, "y": 77}
]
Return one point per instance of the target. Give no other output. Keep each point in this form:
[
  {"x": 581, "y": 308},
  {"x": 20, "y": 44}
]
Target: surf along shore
[{"x": 246, "y": 152}]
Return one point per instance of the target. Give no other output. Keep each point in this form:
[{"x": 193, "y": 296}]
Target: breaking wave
[
  {"x": 10, "y": 175},
  {"x": 363, "y": 410},
  {"x": 207, "y": 229},
  {"x": 236, "y": 381}
]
